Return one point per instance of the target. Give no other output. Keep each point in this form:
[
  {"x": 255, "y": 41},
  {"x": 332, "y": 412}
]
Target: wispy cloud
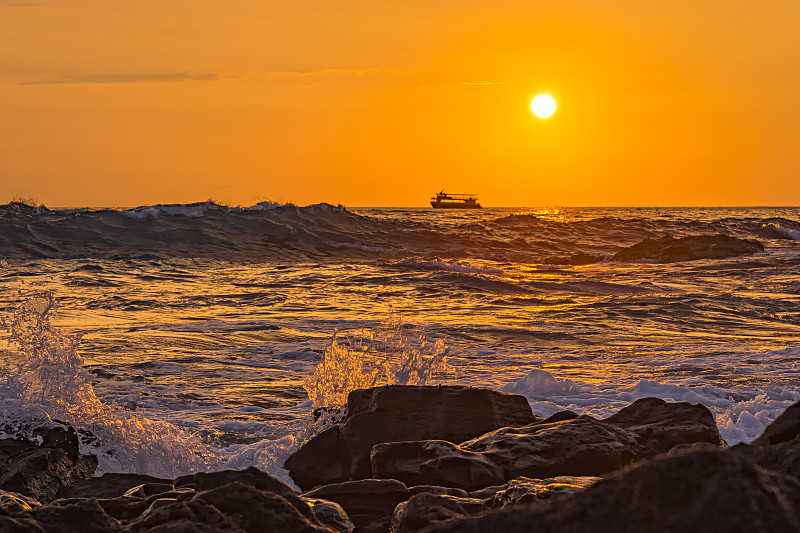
[
  {"x": 479, "y": 82},
  {"x": 356, "y": 71},
  {"x": 332, "y": 73},
  {"x": 123, "y": 78}
]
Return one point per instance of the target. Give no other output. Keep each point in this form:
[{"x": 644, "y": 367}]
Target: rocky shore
[{"x": 407, "y": 459}]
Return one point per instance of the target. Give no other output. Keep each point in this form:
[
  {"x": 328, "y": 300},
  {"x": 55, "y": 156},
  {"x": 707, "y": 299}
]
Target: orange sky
[{"x": 378, "y": 103}]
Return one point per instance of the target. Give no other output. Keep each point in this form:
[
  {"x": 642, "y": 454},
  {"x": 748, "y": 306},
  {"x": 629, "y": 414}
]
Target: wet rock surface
[
  {"x": 107, "y": 485},
  {"x": 665, "y": 469},
  {"x": 562, "y": 445},
  {"x": 394, "y": 414},
  {"x": 330, "y": 514},
  {"x": 705, "y": 490},
  {"x": 660, "y": 426},
  {"x": 369, "y": 503},
  {"x": 785, "y": 428},
  {"x": 41, "y": 471}
]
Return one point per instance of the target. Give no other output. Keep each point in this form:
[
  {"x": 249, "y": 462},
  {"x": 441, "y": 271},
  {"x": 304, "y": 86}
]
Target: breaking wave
[
  {"x": 273, "y": 231},
  {"x": 48, "y": 385},
  {"x": 44, "y": 383}
]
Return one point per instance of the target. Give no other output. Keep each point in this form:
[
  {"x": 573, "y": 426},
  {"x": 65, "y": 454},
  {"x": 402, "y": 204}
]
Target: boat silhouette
[{"x": 442, "y": 200}]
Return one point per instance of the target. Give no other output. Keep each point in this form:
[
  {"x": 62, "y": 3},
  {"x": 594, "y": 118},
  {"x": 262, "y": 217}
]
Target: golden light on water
[{"x": 543, "y": 106}]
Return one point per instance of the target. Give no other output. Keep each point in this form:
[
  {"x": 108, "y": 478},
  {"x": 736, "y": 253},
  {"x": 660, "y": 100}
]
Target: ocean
[{"x": 178, "y": 338}]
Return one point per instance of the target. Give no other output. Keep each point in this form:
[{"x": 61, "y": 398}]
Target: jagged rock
[
  {"x": 125, "y": 507},
  {"x": 12, "y": 502},
  {"x": 369, "y": 503},
  {"x": 320, "y": 461},
  {"x": 426, "y": 509},
  {"x": 562, "y": 445},
  {"x": 10, "y": 524},
  {"x": 669, "y": 249},
  {"x": 79, "y": 516},
  {"x": 582, "y": 446},
  {"x": 527, "y": 490},
  {"x": 234, "y": 507},
  {"x": 330, "y": 514},
  {"x": 433, "y": 489},
  {"x": 434, "y": 462},
  {"x": 659, "y": 426},
  {"x": 783, "y": 429},
  {"x": 107, "y": 485},
  {"x": 708, "y": 490},
  {"x": 41, "y": 471},
  {"x": 395, "y": 413},
  {"x": 250, "y": 476},
  {"x": 782, "y": 457},
  {"x": 172, "y": 516},
  {"x": 257, "y": 510}
]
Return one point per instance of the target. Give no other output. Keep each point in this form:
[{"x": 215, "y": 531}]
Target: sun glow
[{"x": 543, "y": 106}]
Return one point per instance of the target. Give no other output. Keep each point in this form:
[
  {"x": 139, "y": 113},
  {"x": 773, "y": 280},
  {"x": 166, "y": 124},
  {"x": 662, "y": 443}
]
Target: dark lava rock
[
  {"x": 107, "y": 485},
  {"x": 400, "y": 413},
  {"x": 13, "y": 502},
  {"x": 330, "y": 514},
  {"x": 563, "y": 445},
  {"x": 782, "y": 457},
  {"x": 582, "y": 446},
  {"x": 659, "y": 426},
  {"x": 369, "y": 503},
  {"x": 172, "y": 516},
  {"x": 434, "y": 462},
  {"x": 706, "y": 490},
  {"x": 250, "y": 476},
  {"x": 527, "y": 490},
  {"x": 42, "y": 471},
  {"x": 669, "y": 249},
  {"x": 426, "y": 509},
  {"x": 78, "y": 516},
  {"x": 433, "y": 489},
  {"x": 785, "y": 428},
  {"x": 257, "y": 510},
  {"x": 231, "y": 507}
]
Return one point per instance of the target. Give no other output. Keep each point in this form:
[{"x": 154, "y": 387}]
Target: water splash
[
  {"x": 47, "y": 384},
  {"x": 391, "y": 354}
]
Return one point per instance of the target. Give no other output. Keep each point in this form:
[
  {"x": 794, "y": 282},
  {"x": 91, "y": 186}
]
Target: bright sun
[{"x": 543, "y": 106}]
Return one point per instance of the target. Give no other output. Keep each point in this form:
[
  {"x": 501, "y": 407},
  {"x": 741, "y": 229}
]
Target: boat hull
[{"x": 454, "y": 205}]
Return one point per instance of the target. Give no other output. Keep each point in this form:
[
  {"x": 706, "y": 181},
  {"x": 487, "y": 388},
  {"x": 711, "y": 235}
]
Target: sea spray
[
  {"x": 49, "y": 385},
  {"x": 390, "y": 354}
]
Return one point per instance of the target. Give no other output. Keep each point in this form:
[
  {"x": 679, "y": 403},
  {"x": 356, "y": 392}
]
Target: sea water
[{"x": 199, "y": 337}]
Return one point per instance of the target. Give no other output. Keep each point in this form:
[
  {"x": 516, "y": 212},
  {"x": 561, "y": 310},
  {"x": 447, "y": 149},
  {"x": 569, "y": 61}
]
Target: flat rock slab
[{"x": 402, "y": 413}]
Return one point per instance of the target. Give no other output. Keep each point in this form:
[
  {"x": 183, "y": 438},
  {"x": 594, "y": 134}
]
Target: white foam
[
  {"x": 785, "y": 232},
  {"x": 742, "y": 413},
  {"x": 450, "y": 266},
  {"x": 154, "y": 211}
]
